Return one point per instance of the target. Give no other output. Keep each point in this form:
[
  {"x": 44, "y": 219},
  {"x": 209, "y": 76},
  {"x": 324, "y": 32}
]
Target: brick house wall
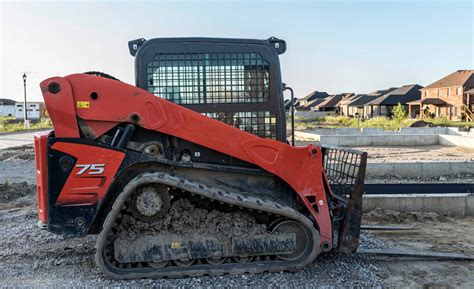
[{"x": 453, "y": 96}]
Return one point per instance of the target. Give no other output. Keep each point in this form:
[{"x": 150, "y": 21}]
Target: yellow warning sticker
[
  {"x": 83, "y": 104},
  {"x": 176, "y": 245}
]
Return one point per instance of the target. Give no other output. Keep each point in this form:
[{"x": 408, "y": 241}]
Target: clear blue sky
[{"x": 348, "y": 46}]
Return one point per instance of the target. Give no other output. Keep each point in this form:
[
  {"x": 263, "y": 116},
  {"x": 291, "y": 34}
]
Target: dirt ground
[
  {"x": 433, "y": 233},
  {"x": 36, "y": 258},
  {"x": 418, "y": 153},
  {"x": 381, "y": 154}
]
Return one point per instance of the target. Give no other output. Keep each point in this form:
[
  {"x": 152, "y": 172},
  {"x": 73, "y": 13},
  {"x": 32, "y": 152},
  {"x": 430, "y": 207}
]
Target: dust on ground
[{"x": 432, "y": 232}]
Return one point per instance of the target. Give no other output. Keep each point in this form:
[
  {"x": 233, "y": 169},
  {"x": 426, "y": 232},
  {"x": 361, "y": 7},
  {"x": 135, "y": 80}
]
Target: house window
[
  {"x": 458, "y": 90},
  {"x": 448, "y": 92}
]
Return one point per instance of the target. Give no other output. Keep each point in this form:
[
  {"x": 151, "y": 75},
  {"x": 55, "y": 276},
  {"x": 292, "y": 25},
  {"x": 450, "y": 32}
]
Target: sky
[{"x": 333, "y": 46}]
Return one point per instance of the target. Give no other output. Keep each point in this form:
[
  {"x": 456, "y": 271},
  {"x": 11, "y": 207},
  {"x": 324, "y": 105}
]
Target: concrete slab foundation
[
  {"x": 378, "y": 137},
  {"x": 424, "y": 169},
  {"x": 443, "y": 204}
]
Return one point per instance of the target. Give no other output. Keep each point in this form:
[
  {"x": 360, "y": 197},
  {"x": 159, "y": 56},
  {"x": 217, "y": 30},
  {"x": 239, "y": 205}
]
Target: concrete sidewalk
[{"x": 16, "y": 139}]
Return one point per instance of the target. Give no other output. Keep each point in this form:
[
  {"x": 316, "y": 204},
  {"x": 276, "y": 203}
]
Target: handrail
[{"x": 467, "y": 112}]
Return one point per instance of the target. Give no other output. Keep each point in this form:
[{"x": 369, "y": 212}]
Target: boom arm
[{"x": 103, "y": 103}]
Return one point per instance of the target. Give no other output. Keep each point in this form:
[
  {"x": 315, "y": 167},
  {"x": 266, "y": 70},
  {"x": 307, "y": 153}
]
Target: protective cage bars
[
  {"x": 203, "y": 78},
  {"x": 345, "y": 169}
]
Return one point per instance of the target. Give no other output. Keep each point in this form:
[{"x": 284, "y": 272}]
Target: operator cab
[{"x": 236, "y": 81}]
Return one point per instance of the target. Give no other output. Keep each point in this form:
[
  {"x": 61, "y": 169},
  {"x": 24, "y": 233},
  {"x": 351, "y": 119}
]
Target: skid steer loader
[{"x": 188, "y": 172}]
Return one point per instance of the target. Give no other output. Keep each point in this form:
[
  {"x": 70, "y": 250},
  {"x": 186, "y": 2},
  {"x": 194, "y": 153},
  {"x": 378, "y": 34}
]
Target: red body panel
[
  {"x": 84, "y": 186},
  {"x": 117, "y": 102},
  {"x": 41, "y": 156}
]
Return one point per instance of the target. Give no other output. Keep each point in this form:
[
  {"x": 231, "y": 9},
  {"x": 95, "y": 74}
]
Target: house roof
[
  {"x": 315, "y": 94},
  {"x": 457, "y": 78},
  {"x": 330, "y": 101},
  {"x": 402, "y": 95},
  {"x": 470, "y": 91},
  {"x": 7, "y": 101},
  {"x": 348, "y": 99},
  {"x": 311, "y": 104},
  {"x": 431, "y": 100},
  {"x": 362, "y": 100},
  {"x": 381, "y": 92}
]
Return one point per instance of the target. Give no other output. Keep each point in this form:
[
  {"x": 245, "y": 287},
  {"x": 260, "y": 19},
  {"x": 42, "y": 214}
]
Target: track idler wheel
[
  {"x": 216, "y": 261},
  {"x": 184, "y": 263},
  {"x": 150, "y": 203},
  {"x": 158, "y": 265},
  {"x": 302, "y": 238},
  {"x": 243, "y": 260}
]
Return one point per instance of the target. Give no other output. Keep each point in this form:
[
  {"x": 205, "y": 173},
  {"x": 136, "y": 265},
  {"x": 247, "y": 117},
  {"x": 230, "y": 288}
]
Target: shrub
[{"x": 399, "y": 113}]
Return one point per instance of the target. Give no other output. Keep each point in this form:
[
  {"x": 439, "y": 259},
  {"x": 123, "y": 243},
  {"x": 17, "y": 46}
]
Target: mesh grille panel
[
  {"x": 260, "y": 123},
  {"x": 200, "y": 78}
]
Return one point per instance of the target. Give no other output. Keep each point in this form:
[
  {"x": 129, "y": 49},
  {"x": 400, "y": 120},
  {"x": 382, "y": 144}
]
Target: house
[
  {"x": 310, "y": 105},
  {"x": 451, "y": 97},
  {"x": 7, "y": 107},
  {"x": 357, "y": 106},
  {"x": 343, "y": 104},
  {"x": 332, "y": 103},
  {"x": 383, "y": 105},
  {"x": 35, "y": 110},
  {"x": 312, "y": 96}
]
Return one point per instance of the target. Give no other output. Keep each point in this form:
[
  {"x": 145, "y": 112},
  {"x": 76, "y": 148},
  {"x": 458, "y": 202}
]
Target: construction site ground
[
  {"x": 36, "y": 258},
  {"x": 413, "y": 153}
]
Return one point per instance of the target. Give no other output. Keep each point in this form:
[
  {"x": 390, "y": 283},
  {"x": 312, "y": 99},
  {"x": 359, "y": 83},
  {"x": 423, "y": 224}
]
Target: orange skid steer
[{"x": 177, "y": 181}]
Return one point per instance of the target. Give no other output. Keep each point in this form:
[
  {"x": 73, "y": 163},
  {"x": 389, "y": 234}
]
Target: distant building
[
  {"x": 332, "y": 102},
  {"x": 310, "y": 97},
  {"x": 358, "y": 107},
  {"x": 451, "y": 97},
  {"x": 7, "y": 107},
  {"x": 344, "y": 108},
  {"x": 35, "y": 110},
  {"x": 383, "y": 105}
]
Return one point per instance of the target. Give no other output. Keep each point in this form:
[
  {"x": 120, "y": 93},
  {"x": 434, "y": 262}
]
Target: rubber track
[{"x": 192, "y": 187}]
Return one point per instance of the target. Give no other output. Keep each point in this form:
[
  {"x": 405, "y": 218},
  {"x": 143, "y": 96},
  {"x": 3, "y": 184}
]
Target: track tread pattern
[{"x": 245, "y": 202}]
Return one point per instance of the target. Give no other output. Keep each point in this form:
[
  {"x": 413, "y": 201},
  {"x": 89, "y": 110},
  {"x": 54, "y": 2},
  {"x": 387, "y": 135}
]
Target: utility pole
[{"x": 25, "y": 106}]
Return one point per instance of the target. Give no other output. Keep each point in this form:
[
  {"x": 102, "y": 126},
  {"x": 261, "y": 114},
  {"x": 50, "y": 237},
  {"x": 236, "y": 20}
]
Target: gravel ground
[
  {"x": 33, "y": 257},
  {"x": 36, "y": 258}
]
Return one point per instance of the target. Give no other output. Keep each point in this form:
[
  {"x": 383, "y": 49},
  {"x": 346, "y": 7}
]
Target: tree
[{"x": 399, "y": 113}]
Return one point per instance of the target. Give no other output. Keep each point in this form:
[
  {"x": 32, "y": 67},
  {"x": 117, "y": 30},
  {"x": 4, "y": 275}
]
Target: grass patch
[
  {"x": 10, "y": 124},
  {"x": 383, "y": 122}
]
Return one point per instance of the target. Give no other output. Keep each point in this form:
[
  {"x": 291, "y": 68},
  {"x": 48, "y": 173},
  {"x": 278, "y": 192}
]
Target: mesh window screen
[
  {"x": 200, "y": 78},
  {"x": 260, "y": 123}
]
